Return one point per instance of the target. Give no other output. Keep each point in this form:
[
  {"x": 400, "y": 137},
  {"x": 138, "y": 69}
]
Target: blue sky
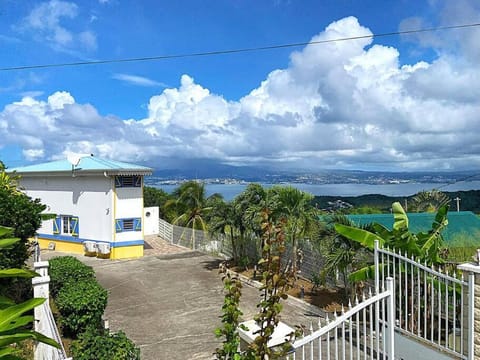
[{"x": 391, "y": 103}]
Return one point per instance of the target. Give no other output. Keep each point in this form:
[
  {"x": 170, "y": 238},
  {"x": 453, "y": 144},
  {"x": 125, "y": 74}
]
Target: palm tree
[
  {"x": 429, "y": 201},
  {"x": 295, "y": 207},
  {"x": 246, "y": 212},
  {"x": 191, "y": 205},
  {"x": 222, "y": 220}
]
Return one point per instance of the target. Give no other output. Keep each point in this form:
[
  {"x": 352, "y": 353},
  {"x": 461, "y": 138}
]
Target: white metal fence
[
  {"x": 46, "y": 326},
  {"x": 165, "y": 230},
  {"x": 433, "y": 305},
  {"x": 364, "y": 331},
  {"x": 311, "y": 261}
]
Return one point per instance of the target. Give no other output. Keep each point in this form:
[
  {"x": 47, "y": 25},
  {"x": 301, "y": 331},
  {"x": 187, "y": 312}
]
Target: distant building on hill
[
  {"x": 98, "y": 205},
  {"x": 463, "y": 229}
]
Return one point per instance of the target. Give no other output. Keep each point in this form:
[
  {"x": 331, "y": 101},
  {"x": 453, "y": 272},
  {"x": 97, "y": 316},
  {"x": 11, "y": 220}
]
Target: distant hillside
[{"x": 470, "y": 200}]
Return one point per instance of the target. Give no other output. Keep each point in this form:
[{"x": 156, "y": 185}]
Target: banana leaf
[
  {"x": 11, "y": 313},
  {"x": 8, "y": 242},
  {"x": 363, "y": 274},
  {"x": 7, "y": 273},
  {"x": 364, "y": 237}
]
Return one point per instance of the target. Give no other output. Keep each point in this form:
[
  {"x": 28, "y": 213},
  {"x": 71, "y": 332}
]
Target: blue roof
[
  {"x": 463, "y": 227},
  {"x": 86, "y": 164}
]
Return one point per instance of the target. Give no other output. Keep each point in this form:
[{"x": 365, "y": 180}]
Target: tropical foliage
[
  {"x": 424, "y": 246},
  {"x": 294, "y": 207},
  {"x": 341, "y": 253},
  {"x": 158, "y": 197},
  {"x": 23, "y": 215},
  {"x": 99, "y": 344},
  {"x": 190, "y": 204},
  {"x": 429, "y": 201},
  {"x": 15, "y": 318}
]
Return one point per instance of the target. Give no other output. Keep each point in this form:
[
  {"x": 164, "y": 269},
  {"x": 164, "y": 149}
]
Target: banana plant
[
  {"x": 424, "y": 246},
  {"x": 13, "y": 318}
]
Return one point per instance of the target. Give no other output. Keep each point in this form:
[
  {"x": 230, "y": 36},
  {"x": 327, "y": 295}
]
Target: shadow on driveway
[{"x": 170, "y": 305}]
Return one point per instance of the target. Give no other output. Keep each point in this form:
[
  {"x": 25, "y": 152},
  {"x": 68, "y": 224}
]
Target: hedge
[
  {"x": 81, "y": 304},
  {"x": 96, "y": 344},
  {"x": 66, "y": 270}
]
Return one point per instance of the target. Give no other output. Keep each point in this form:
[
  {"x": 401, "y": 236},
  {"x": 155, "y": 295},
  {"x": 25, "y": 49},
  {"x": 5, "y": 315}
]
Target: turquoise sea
[{"x": 229, "y": 191}]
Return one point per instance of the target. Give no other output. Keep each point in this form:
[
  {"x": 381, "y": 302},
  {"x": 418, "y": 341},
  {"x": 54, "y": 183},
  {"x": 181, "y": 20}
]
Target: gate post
[
  {"x": 473, "y": 310},
  {"x": 390, "y": 319}
]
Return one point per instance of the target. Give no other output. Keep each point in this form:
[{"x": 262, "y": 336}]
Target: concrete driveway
[{"x": 170, "y": 305}]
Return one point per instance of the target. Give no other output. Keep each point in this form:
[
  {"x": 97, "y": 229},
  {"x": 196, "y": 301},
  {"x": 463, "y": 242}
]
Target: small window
[
  {"x": 132, "y": 224},
  {"x": 128, "y": 181},
  {"x": 128, "y": 225},
  {"x": 66, "y": 222},
  {"x": 66, "y": 225}
]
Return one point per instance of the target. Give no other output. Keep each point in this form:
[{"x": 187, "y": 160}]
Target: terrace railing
[{"x": 432, "y": 305}]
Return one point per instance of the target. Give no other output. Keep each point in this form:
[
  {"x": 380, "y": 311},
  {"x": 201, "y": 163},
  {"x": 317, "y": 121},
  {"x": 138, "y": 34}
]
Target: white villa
[{"x": 98, "y": 205}]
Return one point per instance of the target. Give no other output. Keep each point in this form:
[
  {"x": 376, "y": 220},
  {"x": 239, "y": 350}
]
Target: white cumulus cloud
[{"x": 348, "y": 104}]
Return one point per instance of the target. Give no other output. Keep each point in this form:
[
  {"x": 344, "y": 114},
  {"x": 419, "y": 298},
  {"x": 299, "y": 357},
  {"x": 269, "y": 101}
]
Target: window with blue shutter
[
  {"x": 57, "y": 225},
  {"x": 118, "y": 225},
  {"x": 74, "y": 225},
  {"x": 137, "y": 224},
  {"x": 131, "y": 224},
  {"x": 66, "y": 225}
]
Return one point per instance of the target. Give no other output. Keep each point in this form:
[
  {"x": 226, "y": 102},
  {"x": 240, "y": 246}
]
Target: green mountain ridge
[{"x": 469, "y": 201}]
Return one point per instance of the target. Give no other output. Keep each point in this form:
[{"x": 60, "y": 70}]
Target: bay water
[{"x": 229, "y": 191}]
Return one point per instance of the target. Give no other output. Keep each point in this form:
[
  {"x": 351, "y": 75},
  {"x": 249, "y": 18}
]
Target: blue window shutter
[
  {"x": 57, "y": 223},
  {"x": 118, "y": 181},
  {"x": 137, "y": 224},
  {"x": 138, "y": 181},
  {"x": 118, "y": 225},
  {"x": 74, "y": 225}
]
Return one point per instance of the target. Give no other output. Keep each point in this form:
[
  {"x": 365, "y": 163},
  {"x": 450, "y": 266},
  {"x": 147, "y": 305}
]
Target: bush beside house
[
  {"x": 67, "y": 270},
  {"x": 81, "y": 304}
]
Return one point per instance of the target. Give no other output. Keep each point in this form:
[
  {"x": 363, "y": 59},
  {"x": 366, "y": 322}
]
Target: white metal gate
[{"x": 364, "y": 331}]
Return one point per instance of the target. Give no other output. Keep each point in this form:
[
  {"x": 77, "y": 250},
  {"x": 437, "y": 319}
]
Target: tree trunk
[{"x": 234, "y": 248}]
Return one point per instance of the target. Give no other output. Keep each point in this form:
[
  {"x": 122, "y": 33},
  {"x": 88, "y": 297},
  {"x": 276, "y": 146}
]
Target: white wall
[
  {"x": 129, "y": 204},
  {"x": 151, "y": 216},
  {"x": 88, "y": 197}
]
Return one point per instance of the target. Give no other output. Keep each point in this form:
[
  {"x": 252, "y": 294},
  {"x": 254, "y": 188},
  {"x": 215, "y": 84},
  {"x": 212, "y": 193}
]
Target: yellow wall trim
[
  {"x": 126, "y": 252},
  {"x": 63, "y": 246}
]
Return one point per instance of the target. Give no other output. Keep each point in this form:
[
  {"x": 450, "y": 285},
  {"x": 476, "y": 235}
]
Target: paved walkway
[
  {"x": 171, "y": 304},
  {"x": 155, "y": 245}
]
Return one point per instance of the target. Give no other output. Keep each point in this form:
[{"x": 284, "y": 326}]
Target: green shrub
[
  {"x": 81, "y": 304},
  {"x": 96, "y": 344},
  {"x": 65, "y": 270}
]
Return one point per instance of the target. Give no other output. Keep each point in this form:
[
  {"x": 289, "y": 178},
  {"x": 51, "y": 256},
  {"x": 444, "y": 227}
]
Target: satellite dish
[{"x": 74, "y": 159}]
